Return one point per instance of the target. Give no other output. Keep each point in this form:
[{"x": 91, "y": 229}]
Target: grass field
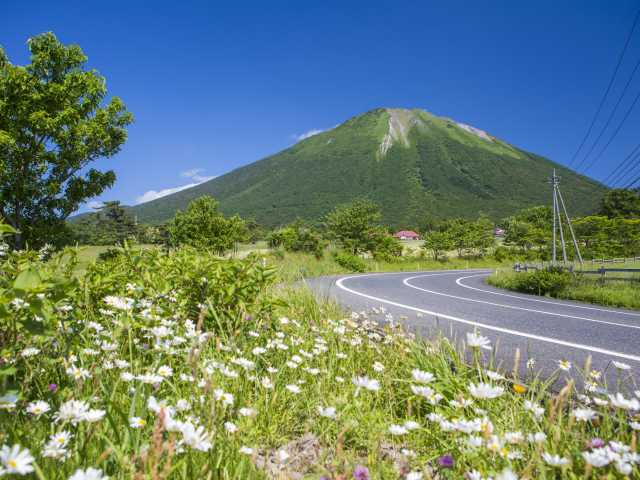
[{"x": 293, "y": 266}]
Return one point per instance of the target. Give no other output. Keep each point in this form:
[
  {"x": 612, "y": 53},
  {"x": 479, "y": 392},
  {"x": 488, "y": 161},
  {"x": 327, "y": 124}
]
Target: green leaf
[
  {"x": 4, "y": 228},
  {"x": 28, "y": 280},
  {"x": 7, "y": 371}
]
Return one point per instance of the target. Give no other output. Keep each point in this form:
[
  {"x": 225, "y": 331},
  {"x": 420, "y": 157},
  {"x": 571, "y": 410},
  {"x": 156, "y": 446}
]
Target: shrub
[
  {"x": 501, "y": 254},
  {"x": 219, "y": 292},
  {"x": 297, "y": 238},
  {"x": 202, "y": 226},
  {"x": 355, "y": 225},
  {"x": 387, "y": 248},
  {"x": 353, "y": 263},
  {"x": 109, "y": 254},
  {"x": 550, "y": 281}
]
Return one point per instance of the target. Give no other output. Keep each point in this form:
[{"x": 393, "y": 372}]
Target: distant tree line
[
  {"x": 613, "y": 232},
  {"x": 355, "y": 229}
]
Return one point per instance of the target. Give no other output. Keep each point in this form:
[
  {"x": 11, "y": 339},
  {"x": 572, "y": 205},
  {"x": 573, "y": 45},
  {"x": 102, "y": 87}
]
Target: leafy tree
[
  {"x": 202, "y": 225},
  {"x": 529, "y": 228},
  {"x": 155, "y": 234},
  {"x": 297, "y": 237},
  {"x": 438, "y": 242},
  {"x": 54, "y": 121},
  {"x": 118, "y": 220},
  {"x": 592, "y": 232},
  {"x": 621, "y": 203},
  {"x": 480, "y": 235},
  {"x": 355, "y": 224},
  {"x": 466, "y": 236},
  {"x": 109, "y": 225},
  {"x": 255, "y": 231},
  {"x": 386, "y": 247}
]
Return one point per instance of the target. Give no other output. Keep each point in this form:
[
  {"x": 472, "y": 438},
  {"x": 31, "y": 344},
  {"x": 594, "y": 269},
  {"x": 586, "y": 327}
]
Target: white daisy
[{"x": 485, "y": 390}]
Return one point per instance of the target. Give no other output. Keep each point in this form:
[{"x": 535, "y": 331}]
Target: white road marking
[
  {"x": 513, "y": 307},
  {"x": 526, "y": 298},
  {"x": 579, "y": 346}
]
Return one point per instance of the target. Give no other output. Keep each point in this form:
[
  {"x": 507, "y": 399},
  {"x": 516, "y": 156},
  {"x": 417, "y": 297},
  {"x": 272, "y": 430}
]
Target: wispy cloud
[
  {"x": 307, "y": 134},
  {"x": 310, "y": 133},
  {"x": 93, "y": 204},
  {"x": 194, "y": 174}
]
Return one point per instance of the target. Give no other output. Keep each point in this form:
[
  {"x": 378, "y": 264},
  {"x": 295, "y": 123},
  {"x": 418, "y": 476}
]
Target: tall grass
[
  {"x": 610, "y": 292},
  {"x": 327, "y": 396},
  {"x": 293, "y": 266}
]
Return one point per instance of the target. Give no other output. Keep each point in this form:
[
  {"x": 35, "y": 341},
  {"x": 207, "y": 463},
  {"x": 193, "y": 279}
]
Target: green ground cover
[
  {"x": 615, "y": 290},
  {"x": 183, "y": 365}
]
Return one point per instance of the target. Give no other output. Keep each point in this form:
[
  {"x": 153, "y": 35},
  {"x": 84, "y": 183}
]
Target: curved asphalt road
[{"x": 458, "y": 301}]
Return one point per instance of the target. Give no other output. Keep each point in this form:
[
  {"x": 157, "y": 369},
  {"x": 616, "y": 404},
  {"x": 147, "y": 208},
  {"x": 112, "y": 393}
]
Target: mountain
[{"x": 411, "y": 162}]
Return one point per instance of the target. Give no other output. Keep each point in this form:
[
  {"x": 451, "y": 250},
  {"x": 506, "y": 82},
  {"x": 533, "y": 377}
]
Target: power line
[
  {"x": 634, "y": 161},
  {"x": 611, "y": 115},
  {"x": 606, "y": 93},
  {"x": 621, "y": 165},
  {"x": 633, "y": 182},
  {"x": 615, "y": 133},
  {"x": 631, "y": 169}
]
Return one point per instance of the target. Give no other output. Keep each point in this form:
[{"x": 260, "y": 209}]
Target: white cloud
[
  {"x": 93, "y": 204},
  {"x": 311, "y": 133},
  {"x": 195, "y": 174},
  {"x": 153, "y": 194},
  {"x": 307, "y": 134}
]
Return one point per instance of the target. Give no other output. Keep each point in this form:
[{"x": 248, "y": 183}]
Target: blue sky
[{"x": 216, "y": 85}]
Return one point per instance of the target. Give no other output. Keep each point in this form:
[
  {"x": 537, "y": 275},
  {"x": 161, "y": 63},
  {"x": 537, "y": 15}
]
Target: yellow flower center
[
  {"x": 519, "y": 388},
  {"x": 12, "y": 463}
]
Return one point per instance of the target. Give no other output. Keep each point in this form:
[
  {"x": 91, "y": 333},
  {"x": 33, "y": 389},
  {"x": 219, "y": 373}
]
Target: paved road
[{"x": 459, "y": 301}]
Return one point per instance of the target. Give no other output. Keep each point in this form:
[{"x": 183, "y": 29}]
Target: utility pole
[
  {"x": 557, "y": 222},
  {"x": 555, "y": 204}
]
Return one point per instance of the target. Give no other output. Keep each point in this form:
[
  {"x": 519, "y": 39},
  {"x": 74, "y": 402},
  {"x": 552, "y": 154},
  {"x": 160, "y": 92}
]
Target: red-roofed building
[{"x": 406, "y": 235}]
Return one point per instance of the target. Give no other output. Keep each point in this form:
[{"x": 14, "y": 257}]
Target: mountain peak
[
  {"x": 401, "y": 121},
  {"x": 411, "y": 162}
]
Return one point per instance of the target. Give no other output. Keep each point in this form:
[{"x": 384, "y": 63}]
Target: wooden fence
[{"x": 576, "y": 267}]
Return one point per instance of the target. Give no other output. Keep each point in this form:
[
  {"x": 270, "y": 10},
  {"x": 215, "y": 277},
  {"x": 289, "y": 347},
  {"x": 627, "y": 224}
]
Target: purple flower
[
  {"x": 595, "y": 443},
  {"x": 361, "y": 473},
  {"x": 53, "y": 387},
  {"x": 446, "y": 461}
]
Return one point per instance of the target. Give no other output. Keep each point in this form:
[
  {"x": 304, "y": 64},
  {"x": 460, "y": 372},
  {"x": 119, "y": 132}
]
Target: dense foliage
[
  {"x": 547, "y": 281},
  {"x": 442, "y": 170},
  {"x": 53, "y": 123},
  {"x": 621, "y": 203},
  {"x": 202, "y": 226},
  {"x": 619, "y": 291},
  {"x": 467, "y": 237},
  {"x": 111, "y": 224},
  {"x": 598, "y": 236},
  {"x": 350, "y": 262},
  {"x": 355, "y": 225},
  {"x": 297, "y": 237}
]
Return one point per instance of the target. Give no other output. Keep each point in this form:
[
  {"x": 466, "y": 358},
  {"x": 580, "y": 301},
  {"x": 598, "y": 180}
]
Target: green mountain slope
[{"x": 411, "y": 162}]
